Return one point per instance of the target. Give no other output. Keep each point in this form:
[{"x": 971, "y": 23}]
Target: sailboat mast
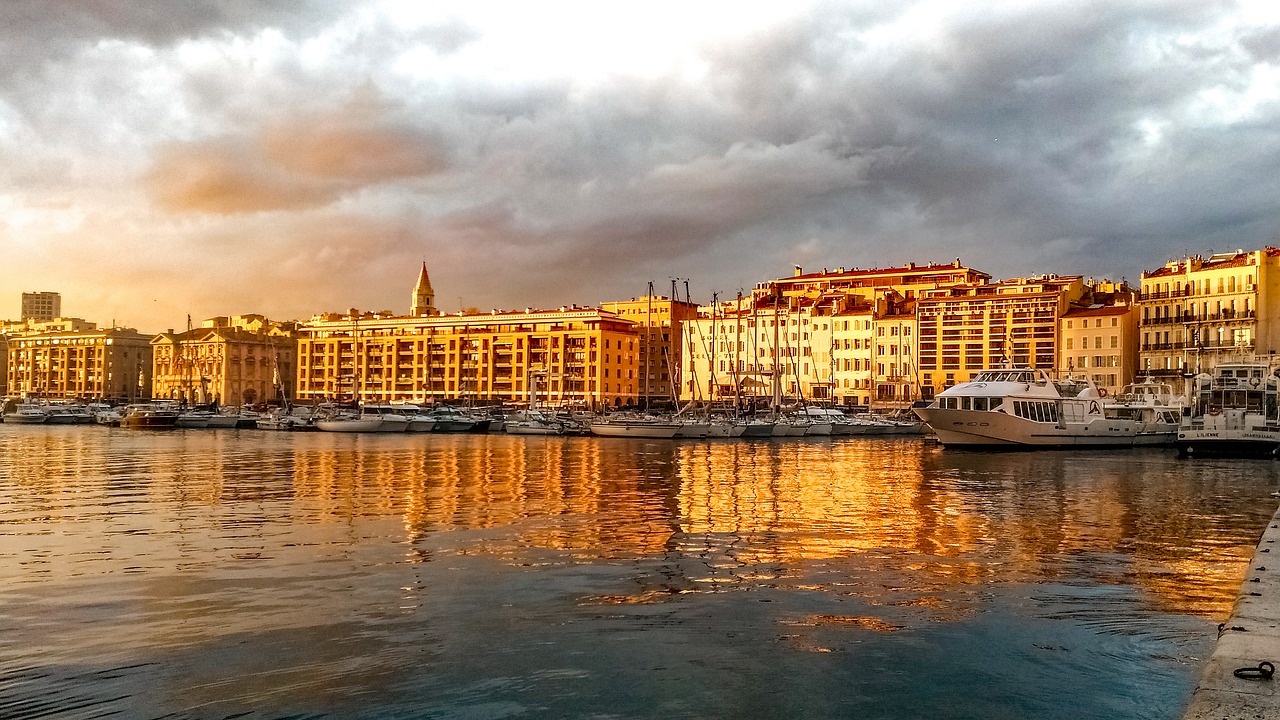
[{"x": 645, "y": 346}]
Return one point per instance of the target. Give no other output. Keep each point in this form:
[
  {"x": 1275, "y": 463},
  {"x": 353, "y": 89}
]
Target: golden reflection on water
[{"x": 798, "y": 514}]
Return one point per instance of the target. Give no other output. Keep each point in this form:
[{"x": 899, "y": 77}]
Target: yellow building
[
  {"x": 967, "y": 328},
  {"x": 71, "y": 358},
  {"x": 895, "y": 378},
  {"x": 1100, "y": 342},
  {"x": 803, "y": 349},
  {"x": 227, "y": 360},
  {"x": 909, "y": 281},
  {"x": 579, "y": 356},
  {"x": 661, "y": 322},
  {"x": 1198, "y": 312}
]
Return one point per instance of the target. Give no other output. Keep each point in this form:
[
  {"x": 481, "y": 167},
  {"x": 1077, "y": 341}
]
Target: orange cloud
[
  {"x": 333, "y": 149},
  {"x": 224, "y": 179}
]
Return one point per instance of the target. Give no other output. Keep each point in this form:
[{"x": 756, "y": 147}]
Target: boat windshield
[{"x": 1015, "y": 376}]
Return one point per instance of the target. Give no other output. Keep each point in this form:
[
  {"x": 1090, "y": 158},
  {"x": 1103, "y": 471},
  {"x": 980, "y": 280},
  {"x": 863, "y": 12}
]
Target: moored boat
[
  {"x": 639, "y": 427},
  {"x": 1233, "y": 413},
  {"x": 149, "y": 416},
  {"x": 1023, "y": 408}
]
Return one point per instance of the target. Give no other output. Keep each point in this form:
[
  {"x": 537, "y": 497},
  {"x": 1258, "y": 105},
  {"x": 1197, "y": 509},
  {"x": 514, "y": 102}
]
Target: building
[
  {"x": 909, "y": 281},
  {"x": 575, "y": 356},
  {"x": 1197, "y": 312},
  {"x": 661, "y": 321},
  {"x": 227, "y": 360},
  {"x": 71, "y": 358},
  {"x": 424, "y": 298},
  {"x": 41, "y": 306},
  {"x": 967, "y": 328},
  {"x": 766, "y": 347},
  {"x": 1100, "y": 342}
]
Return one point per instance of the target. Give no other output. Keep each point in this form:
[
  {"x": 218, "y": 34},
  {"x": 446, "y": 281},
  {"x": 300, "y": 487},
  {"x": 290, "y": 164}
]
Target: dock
[{"x": 1236, "y": 684}]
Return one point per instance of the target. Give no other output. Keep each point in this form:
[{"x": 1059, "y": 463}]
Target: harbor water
[{"x": 248, "y": 574}]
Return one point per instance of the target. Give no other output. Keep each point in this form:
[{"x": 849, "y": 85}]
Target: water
[{"x": 219, "y": 574}]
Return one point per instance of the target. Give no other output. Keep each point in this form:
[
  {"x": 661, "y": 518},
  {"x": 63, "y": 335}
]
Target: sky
[{"x": 294, "y": 157}]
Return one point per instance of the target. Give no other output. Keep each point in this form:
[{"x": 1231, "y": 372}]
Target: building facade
[
  {"x": 661, "y": 326},
  {"x": 242, "y": 359},
  {"x": 1197, "y": 312},
  {"x": 1101, "y": 343},
  {"x": 73, "y": 359},
  {"x": 968, "y": 328},
  {"x": 585, "y": 357},
  {"x": 41, "y": 306}
]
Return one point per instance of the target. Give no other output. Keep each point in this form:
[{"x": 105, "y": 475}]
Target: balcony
[{"x": 1185, "y": 292}]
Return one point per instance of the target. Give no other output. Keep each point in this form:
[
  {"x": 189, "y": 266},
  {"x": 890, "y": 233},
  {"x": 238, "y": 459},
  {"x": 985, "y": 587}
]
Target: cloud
[
  {"x": 343, "y": 143},
  {"x": 293, "y": 164}
]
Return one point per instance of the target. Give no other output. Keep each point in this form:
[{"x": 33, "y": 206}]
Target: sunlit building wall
[
  {"x": 1197, "y": 312},
  {"x": 229, "y": 360},
  {"x": 965, "y": 329},
  {"x": 815, "y": 349},
  {"x": 580, "y": 356},
  {"x": 1100, "y": 343},
  {"x": 86, "y": 363},
  {"x": 661, "y": 327}
]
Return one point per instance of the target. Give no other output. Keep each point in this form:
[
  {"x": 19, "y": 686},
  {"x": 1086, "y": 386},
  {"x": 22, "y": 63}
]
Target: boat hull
[
  {"x": 635, "y": 430},
  {"x": 987, "y": 429},
  {"x": 1229, "y": 443}
]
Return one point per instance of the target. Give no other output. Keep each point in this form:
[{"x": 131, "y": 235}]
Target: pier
[{"x": 1235, "y": 685}]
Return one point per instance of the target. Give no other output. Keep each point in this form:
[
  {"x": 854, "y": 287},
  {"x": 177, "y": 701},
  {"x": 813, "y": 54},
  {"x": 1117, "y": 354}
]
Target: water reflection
[{"x": 288, "y": 571}]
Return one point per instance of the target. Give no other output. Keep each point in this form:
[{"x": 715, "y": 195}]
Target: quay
[{"x": 1231, "y": 686}]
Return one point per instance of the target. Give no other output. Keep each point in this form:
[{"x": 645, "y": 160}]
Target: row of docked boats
[
  {"x": 1231, "y": 410},
  {"x": 159, "y": 415}
]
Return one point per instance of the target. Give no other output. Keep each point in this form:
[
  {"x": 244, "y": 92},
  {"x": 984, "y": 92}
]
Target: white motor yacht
[{"x": 1024, "y": 407}]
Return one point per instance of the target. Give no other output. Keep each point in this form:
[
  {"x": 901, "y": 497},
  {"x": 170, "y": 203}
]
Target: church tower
[{"x": 424, "y": 298}]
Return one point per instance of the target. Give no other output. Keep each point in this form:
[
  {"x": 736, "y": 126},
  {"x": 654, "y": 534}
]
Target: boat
[
  {"x": 1024, "y": 408},
  {"x": 104, "y": 414},
  {"x": 368, "y": 419},
  {"x": 452, "y": 420},
  {"x": 149, "y": 416},
  {"x": 1153, "y": 405},
  {"x": 194, "y": 418},
  {"x": 27, "y": 414},
  {"x": 1233, "y": 413},
  {"x": 533, "y": 422},
  {"x": 638, "y": 427}
]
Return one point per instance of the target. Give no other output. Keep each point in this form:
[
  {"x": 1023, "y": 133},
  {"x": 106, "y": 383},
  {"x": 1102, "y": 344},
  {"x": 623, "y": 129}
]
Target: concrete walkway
[{"x": 1251, "y": 636}]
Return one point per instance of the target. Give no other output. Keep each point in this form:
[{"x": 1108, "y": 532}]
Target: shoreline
[{"x": 1250, "y": 636}]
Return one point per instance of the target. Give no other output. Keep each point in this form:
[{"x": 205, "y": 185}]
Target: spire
[{"x": 424, "y": 298}]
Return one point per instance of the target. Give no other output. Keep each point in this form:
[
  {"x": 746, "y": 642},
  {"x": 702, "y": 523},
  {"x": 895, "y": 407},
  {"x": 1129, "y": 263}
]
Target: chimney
[{"x": 799, "y": 271}]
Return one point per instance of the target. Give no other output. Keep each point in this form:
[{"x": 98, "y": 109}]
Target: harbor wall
[{"x": 1250, "y": 637}]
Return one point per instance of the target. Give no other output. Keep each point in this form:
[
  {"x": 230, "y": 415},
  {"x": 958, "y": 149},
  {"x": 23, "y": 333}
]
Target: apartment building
[
  {"x": 580, "y": 356},
  {"x": 661, "y": 326},
  {"x": 967, "y": 328},
  {"x": 227, "y": 360},
  {"x": 41, "y": 306},
  {"x": 797, "y": 348},
  {"x": 1100, "y": 342},
  {"x": 1197, "y": 312},
  {"x": 71, "y": 358},
  {"x": 909, "y": 281}
]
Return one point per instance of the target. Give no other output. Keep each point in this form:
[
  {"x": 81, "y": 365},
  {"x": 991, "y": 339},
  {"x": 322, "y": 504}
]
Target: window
[
  {"x": 1069, "y": 341},
  {"x": 1115, "y": 341}
]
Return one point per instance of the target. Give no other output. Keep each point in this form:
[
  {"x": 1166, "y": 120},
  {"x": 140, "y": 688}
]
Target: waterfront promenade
[{"x": 1250, "y": 637}]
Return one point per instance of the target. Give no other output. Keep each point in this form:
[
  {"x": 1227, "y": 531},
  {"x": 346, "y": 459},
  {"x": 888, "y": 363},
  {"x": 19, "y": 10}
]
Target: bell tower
[{"x": 424, "y": 298}]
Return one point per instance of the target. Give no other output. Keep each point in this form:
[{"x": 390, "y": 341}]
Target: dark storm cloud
[
  {"x": 33, "y": 32},
  {"x": 1071, "y": 137}
]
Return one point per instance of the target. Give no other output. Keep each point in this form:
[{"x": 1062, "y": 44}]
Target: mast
[
  {"x": 644, "y": 346},
  {"x": 737, "y": 333},
  {"x": 777, "y": 378}
]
